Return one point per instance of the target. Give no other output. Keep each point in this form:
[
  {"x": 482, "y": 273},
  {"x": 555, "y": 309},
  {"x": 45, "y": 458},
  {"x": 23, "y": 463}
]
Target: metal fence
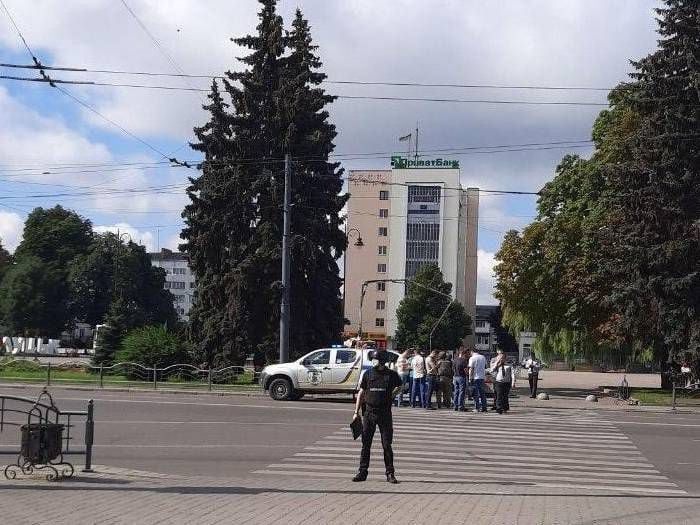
[{"x": 181, "y": 375}]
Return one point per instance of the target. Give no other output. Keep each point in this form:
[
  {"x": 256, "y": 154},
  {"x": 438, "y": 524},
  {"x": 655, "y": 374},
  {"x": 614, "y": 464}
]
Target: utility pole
[{"x": 284, "y": 308}]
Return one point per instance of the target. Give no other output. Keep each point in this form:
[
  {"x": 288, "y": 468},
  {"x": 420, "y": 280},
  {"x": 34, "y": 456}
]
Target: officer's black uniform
[{"x": 378, "y": 384}]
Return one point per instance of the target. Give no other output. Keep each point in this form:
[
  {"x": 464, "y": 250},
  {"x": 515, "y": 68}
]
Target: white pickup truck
[{"x": 323, "y": 371}]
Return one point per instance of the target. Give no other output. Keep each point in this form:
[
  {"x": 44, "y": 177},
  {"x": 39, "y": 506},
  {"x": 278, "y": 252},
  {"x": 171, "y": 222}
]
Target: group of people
[
  {"x": 453, "y": 381},
  {"x": 450, "y": 379}
]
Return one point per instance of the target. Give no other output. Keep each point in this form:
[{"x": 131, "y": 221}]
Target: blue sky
[{"x": 529, "y": 42}]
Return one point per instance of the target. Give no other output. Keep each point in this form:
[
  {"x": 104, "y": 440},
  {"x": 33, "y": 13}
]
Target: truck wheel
[{"x": 281, "y": 389}]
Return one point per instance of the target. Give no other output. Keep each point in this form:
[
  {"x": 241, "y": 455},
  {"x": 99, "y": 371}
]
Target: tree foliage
[
  {"x": 31, "y": 300},
  {"x": 152, "y": 346},
  {"x": 610, "y": 265},
  {"x": 421, "y": 308},
  {"x": 234, "y": 221}
]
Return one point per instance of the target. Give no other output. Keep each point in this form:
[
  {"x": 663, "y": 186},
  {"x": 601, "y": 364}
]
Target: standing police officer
[{"x": 378, "y": 387}]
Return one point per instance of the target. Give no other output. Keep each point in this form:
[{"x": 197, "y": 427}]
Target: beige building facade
[{"x": 415, "y": 213}]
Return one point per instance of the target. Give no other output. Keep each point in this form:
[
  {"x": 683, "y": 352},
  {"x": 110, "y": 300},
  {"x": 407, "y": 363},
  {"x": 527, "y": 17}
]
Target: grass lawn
[
  {"x": 33, "y": 373},
  {"x": 657, "y": 396}
]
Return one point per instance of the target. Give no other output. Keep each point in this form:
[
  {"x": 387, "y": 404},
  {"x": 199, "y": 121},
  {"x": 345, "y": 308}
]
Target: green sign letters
[{"x": 399, "y": 162}]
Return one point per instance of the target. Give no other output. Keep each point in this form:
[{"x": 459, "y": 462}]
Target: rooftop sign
[{"x": 399, "y": 162}]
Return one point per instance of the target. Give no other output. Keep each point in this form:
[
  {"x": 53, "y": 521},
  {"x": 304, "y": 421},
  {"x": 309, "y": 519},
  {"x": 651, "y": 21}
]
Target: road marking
[
  {"x": 634, "y": 463},
  {"x": 656, "y": 424},
  {"x": 590, "y": 457},
  {"x": 475, "y": 481},
  {"x": 351, "y": 466},
  {"x": 479, "y": 463},
  {"x": 523, "y": 439}
]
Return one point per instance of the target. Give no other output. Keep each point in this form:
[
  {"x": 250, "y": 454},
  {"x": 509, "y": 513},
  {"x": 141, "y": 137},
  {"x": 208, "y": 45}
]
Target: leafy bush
[
  {"x": 21, "y": 365},
  {"x": 152, "y": 346}
]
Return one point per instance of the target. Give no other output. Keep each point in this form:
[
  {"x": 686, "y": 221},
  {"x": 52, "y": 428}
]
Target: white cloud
[
  {"x": 486, "y": 279},
  {"x": 11, "y": 227},
  {"x": 145, "y": 238}
]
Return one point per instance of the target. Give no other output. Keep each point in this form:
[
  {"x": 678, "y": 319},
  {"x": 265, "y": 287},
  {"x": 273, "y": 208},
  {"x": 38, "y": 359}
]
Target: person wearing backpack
[{"x": 503, "y": 377}]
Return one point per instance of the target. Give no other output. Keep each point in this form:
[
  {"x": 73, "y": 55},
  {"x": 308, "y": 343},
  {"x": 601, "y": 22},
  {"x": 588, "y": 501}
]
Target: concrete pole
[{"x": 284, "y": 308}]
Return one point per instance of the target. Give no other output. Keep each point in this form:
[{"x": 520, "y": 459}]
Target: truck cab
[{"x": 323, "y": 371}]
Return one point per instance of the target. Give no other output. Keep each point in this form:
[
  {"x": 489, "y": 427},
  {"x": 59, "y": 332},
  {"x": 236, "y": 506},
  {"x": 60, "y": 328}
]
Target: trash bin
[{"x": 42, "y": 442}]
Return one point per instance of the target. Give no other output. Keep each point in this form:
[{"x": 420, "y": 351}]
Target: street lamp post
[
  {"x": 359, "y": 244},
  {"x": 363, "y": 291}
]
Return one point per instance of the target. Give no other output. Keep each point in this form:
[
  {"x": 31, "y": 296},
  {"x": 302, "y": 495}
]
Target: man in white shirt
[
  {"x": 533, "y": 374},
  {"x": 477, "y": 375},
  {"x": 418, "y": 385},
  {"x": 403, "y": 367}
]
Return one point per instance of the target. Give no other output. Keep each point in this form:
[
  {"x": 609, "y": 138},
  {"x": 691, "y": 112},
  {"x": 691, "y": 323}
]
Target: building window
[
  {"x": 177, "y": 285},
  {"x": 381, "y": 305},
  {"x": 382, "y": 250},
  {"x": 178, "y": 298},
  {"x": 379, "y": 321},
  {"x": 381, "y": 268},
  {"x": 383, "y": 195},
  {"x": 180, "y": 271},
  {"x": 166, "y": 285},
  {"x": 482, "y": 339},
  {"x": 384, "y": 213},
  {"x": 383, "y": 231},
  {"x": 193, "y": 284},
  {"x": 381, "y": 287},
  {"x": 481, "y": 324}
]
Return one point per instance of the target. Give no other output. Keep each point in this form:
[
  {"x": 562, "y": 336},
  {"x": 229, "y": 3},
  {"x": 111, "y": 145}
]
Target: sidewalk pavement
[{"x": 120, "y": 496}]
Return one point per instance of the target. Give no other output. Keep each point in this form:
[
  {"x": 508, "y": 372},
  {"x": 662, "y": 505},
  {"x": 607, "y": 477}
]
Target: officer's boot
[
  {"x": 391, "y": 478},
  {"x": 360, "y": 476}
]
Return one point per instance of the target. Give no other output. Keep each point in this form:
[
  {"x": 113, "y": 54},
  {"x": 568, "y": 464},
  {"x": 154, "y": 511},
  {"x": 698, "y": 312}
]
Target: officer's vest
[{"x": 378, "y": 389}]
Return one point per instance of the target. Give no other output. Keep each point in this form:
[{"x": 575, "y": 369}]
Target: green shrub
[
  {"x": 22, "y": 365},
  {"x": 152, "y": 346}
]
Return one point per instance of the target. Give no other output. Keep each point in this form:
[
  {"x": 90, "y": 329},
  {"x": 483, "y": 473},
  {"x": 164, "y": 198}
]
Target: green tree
[
  {"x": 5, "y": 260},
  {"x": 55, "y": 235},
  {"x": 122, "y": 316},
  {"x": 31, "y": 298},
  {"x": 234, "y": 222},
  {"x": 421, "y": 308},
  {"x": 52, "y": 239},
  {"x": 653, "y": 237},
  {"x": 110, "y": 270},
  {"x": 152, "y": 346}
]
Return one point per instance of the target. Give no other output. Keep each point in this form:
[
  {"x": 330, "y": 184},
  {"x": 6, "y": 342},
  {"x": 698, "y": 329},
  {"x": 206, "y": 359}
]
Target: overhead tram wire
[
  {"x": 341, "y": 97},
  {"x": 45, "y": 76},
  {"x": 338, "y": 82}
]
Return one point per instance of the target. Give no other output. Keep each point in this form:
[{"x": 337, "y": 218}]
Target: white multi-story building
[
  {"x": 485, "y": 340},
  {"x": 179, "y": 278},
  {"x": 413, "y": 214}
]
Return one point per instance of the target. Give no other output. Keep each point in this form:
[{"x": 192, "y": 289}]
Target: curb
[{"x": 163, "y": 391}]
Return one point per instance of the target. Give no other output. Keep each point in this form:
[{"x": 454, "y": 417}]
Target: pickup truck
[{"x": 323, "y": 371}]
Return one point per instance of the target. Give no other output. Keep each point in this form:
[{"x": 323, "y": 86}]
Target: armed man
[{"x": 378, "y": 387}]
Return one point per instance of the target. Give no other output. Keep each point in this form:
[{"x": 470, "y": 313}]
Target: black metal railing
[
  {"x": 181, "y": 375},
  {"x": 45, "y": 436}
]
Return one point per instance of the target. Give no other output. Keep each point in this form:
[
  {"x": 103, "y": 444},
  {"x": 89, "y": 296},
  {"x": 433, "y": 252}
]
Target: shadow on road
[{"x": 107, "y": 484}]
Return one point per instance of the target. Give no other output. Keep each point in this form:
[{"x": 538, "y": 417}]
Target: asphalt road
[{"x": 233, "y": 436}]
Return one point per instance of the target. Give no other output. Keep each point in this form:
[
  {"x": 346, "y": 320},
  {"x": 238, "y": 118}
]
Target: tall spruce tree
[
  {"x": 654, "y": 238},
  {"x": 234, "y": 220},
  {"x": 317, "y": 240}
]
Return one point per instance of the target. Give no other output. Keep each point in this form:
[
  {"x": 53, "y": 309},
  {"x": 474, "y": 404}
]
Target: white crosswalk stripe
[{"x": 543, "y": 448}]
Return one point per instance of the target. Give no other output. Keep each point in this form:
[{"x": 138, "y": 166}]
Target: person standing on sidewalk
[
  {"x": 418, "y": 384},
  {"x": 477, "y": 375},
  {"x": 444, "y": 396},
  {"x": 431, "y": 363},
  {"x": 378, "y": 387},
  {"x": 403, "y": 368},
  {"x": 533, "y": 367},
  {"x": 459, "y": 379}
]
